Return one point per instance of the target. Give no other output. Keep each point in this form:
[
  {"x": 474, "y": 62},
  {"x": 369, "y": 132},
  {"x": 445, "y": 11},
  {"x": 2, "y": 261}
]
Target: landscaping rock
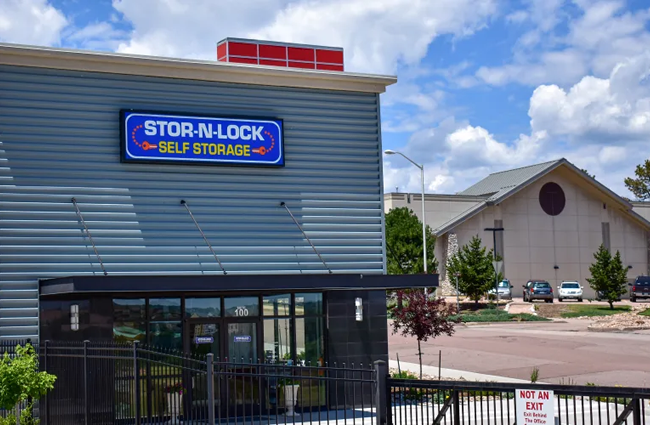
[{"x": 621, "y": 322}]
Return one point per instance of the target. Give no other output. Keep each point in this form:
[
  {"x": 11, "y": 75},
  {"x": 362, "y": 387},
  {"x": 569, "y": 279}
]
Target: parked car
[
  {"x": 640, "y": 288},
  {"x": 538, "y": 290},
  {"x": 569, "y": 291},
  {"x": 505, "y": 292}
]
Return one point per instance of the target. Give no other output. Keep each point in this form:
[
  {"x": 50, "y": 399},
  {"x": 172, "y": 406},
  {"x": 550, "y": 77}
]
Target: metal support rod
[
  {"x": 45, "y": 397},
  {"x": 496, "y": 274},
  {"x": 210, "y": 366},
  {"x": 456, "y": 398},
  {"x": 136, "y": 383},
  {"x": 83, "y": 222},
  {"x": 183, "y": 203},
  {"x": 86, "y": 389},
  {"x": 381, "y": 395},
  {"x": 424, "y": 224},
  {"x": 282, "y": 204},
  {"x": 457, "y": 295}
]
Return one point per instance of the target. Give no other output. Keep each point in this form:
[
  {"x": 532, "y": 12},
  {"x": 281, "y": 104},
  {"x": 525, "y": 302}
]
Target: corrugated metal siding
[{"x": 59, "y": 132}]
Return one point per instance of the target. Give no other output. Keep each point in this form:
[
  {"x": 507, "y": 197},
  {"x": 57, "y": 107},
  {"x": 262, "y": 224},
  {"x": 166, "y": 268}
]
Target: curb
[
  {"x": 514, "y": 322},
  {"x": 617, "y": 330}
]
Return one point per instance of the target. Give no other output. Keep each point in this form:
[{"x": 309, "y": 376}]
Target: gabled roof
[{"x": 500, "y": 186}]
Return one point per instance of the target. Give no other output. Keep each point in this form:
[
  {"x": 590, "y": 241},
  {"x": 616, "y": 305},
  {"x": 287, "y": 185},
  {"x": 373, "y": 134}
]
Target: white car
[
  {"x": 570, "y": 291},
  {"x": 505, "y": 292}
]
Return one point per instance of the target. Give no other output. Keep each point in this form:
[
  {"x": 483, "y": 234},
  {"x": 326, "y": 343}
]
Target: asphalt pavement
[{"x": 564, "y": 352}]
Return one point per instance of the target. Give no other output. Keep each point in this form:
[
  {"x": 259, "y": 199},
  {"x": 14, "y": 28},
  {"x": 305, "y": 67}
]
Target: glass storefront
[{"x": 274, "y": 328}]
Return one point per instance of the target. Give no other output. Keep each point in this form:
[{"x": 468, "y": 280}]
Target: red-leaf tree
[{"x": 423, "y": 317}]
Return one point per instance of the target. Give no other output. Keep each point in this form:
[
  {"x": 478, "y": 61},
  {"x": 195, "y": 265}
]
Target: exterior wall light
[
  {"x": 74, "y": 317},
  {"x": 358, "y": 303}
]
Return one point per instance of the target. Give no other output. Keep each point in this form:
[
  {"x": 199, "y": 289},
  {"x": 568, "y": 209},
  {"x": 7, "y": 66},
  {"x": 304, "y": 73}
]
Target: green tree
[
  {"x": 404, "y": 243},
  {"x": 20, "y": 380},
  {"x": 640, "y": 186},
  {"x": 608, "y": 275},
  {"x": 584, "y": 170},
  {"x": 473, "y": 263}
]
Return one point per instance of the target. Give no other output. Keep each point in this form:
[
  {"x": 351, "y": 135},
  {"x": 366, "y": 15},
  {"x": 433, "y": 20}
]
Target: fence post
[
  {"x": 456, "y": 407},
  {"x": 210, "y": 377},
  {"x": 46, "y": 399},
  {"x": 86, "y": 404},
  {"x": 636, "y": 412},
  {"x": 381, "y": 373},
  {"x": 136, "y": 383}
]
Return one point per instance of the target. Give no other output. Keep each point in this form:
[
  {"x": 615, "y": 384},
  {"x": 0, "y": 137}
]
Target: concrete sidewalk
[{"x": 451, "y": 373}]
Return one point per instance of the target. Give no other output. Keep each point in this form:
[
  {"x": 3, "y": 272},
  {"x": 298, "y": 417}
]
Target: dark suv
[
  {"x": 640, "y": 288},
  {"x": 538, "y": 290}
]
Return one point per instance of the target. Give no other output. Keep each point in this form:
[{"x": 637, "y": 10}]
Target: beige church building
[{"x": 554, "y": 218}]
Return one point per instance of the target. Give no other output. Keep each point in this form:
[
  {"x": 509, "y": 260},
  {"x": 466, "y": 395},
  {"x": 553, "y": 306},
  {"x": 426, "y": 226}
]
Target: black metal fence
[
  {"x": 415, "y": 402},
  {"x": 131, "y": 384}
]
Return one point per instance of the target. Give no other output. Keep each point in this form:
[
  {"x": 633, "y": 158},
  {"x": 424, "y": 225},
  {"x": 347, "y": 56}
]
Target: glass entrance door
[
  {"x": 243, "y": 386},
  {"x": 204, "y": 339},
  {"x": 242, "y": 342}
]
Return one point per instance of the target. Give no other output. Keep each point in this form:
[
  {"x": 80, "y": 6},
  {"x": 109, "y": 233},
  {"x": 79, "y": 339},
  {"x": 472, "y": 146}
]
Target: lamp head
[{"x": 390, "y": 152}]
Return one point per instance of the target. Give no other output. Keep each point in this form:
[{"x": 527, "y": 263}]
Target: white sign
[
  {"x": 241, "y": 311},
  {"x": 535, "y": 407},
  {"x": 497, "y": 266}
]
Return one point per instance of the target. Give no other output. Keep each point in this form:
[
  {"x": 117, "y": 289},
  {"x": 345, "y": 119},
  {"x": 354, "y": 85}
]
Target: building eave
[{"x": 192, "y": 69}]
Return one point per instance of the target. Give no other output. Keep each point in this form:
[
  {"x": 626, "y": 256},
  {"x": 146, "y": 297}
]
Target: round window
[{"x": 551, "y": 198}]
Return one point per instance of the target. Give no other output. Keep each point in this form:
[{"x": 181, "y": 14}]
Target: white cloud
[
  {"x": 190, "y": 29},
  {"x": 602, "y": 35},
  {"x": 96, "y": 36},
  {"x": 475, "y": 146},
  {"x": 34, "y": 22},
  {"x": 595, "y": 109},
  {"x": 377, "y": 35},
  {"x": 600, "y": 124},
  {"x": 612, "y": 154}
]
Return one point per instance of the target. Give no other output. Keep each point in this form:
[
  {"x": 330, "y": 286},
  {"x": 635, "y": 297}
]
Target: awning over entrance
[{"x": 212, "y": 283}]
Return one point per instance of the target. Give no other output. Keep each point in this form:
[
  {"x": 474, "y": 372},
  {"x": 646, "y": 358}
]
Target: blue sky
[{"x": 484, "y": 85}]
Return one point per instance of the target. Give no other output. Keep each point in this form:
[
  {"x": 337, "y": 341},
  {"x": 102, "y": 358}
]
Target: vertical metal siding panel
[{"x": 59, "y": 138}]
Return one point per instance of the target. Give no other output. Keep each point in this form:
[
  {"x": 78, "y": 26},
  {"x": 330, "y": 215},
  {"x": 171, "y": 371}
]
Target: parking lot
[{"x": 564, "y": 352}]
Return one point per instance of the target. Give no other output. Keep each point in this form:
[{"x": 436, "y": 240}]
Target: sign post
[
  {"x": 535, "y": 407},
  {"x": 497, "y": 269}
]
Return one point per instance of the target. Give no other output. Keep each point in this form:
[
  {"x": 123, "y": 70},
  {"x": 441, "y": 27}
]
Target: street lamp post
[
  {"x": 424, "y": 219},
  {"x": 457, "y": 294},
  {"x": 494, "y": 231}
]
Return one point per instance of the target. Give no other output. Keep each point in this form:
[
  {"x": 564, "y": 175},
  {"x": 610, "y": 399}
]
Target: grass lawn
[
  {"x": 494, "y": 315},
  {"x": 645, "y": 313},
  {"x": 592, "y": 310}
]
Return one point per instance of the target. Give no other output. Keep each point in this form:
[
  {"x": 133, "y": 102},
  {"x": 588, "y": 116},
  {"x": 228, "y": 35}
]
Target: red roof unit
[{"x": 286, "y": 55}]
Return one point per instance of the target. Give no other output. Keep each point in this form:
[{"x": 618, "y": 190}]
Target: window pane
[
  {"x": 165, "y": 309},
  {"x": 309, "y": 304},
  {"x": 242, "y": 306},
  {"x": 203, "y": 307},
  {"x": 166, "y": 335},
  {"x": 129, "y": 331},
  {"x": 128, "y": 310},
  {"x": 277, "y": 305},
  {"x": 309, "y": 341},
  {"x": 309, "y": 348},
  {"x": 277, "y": 340}
]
